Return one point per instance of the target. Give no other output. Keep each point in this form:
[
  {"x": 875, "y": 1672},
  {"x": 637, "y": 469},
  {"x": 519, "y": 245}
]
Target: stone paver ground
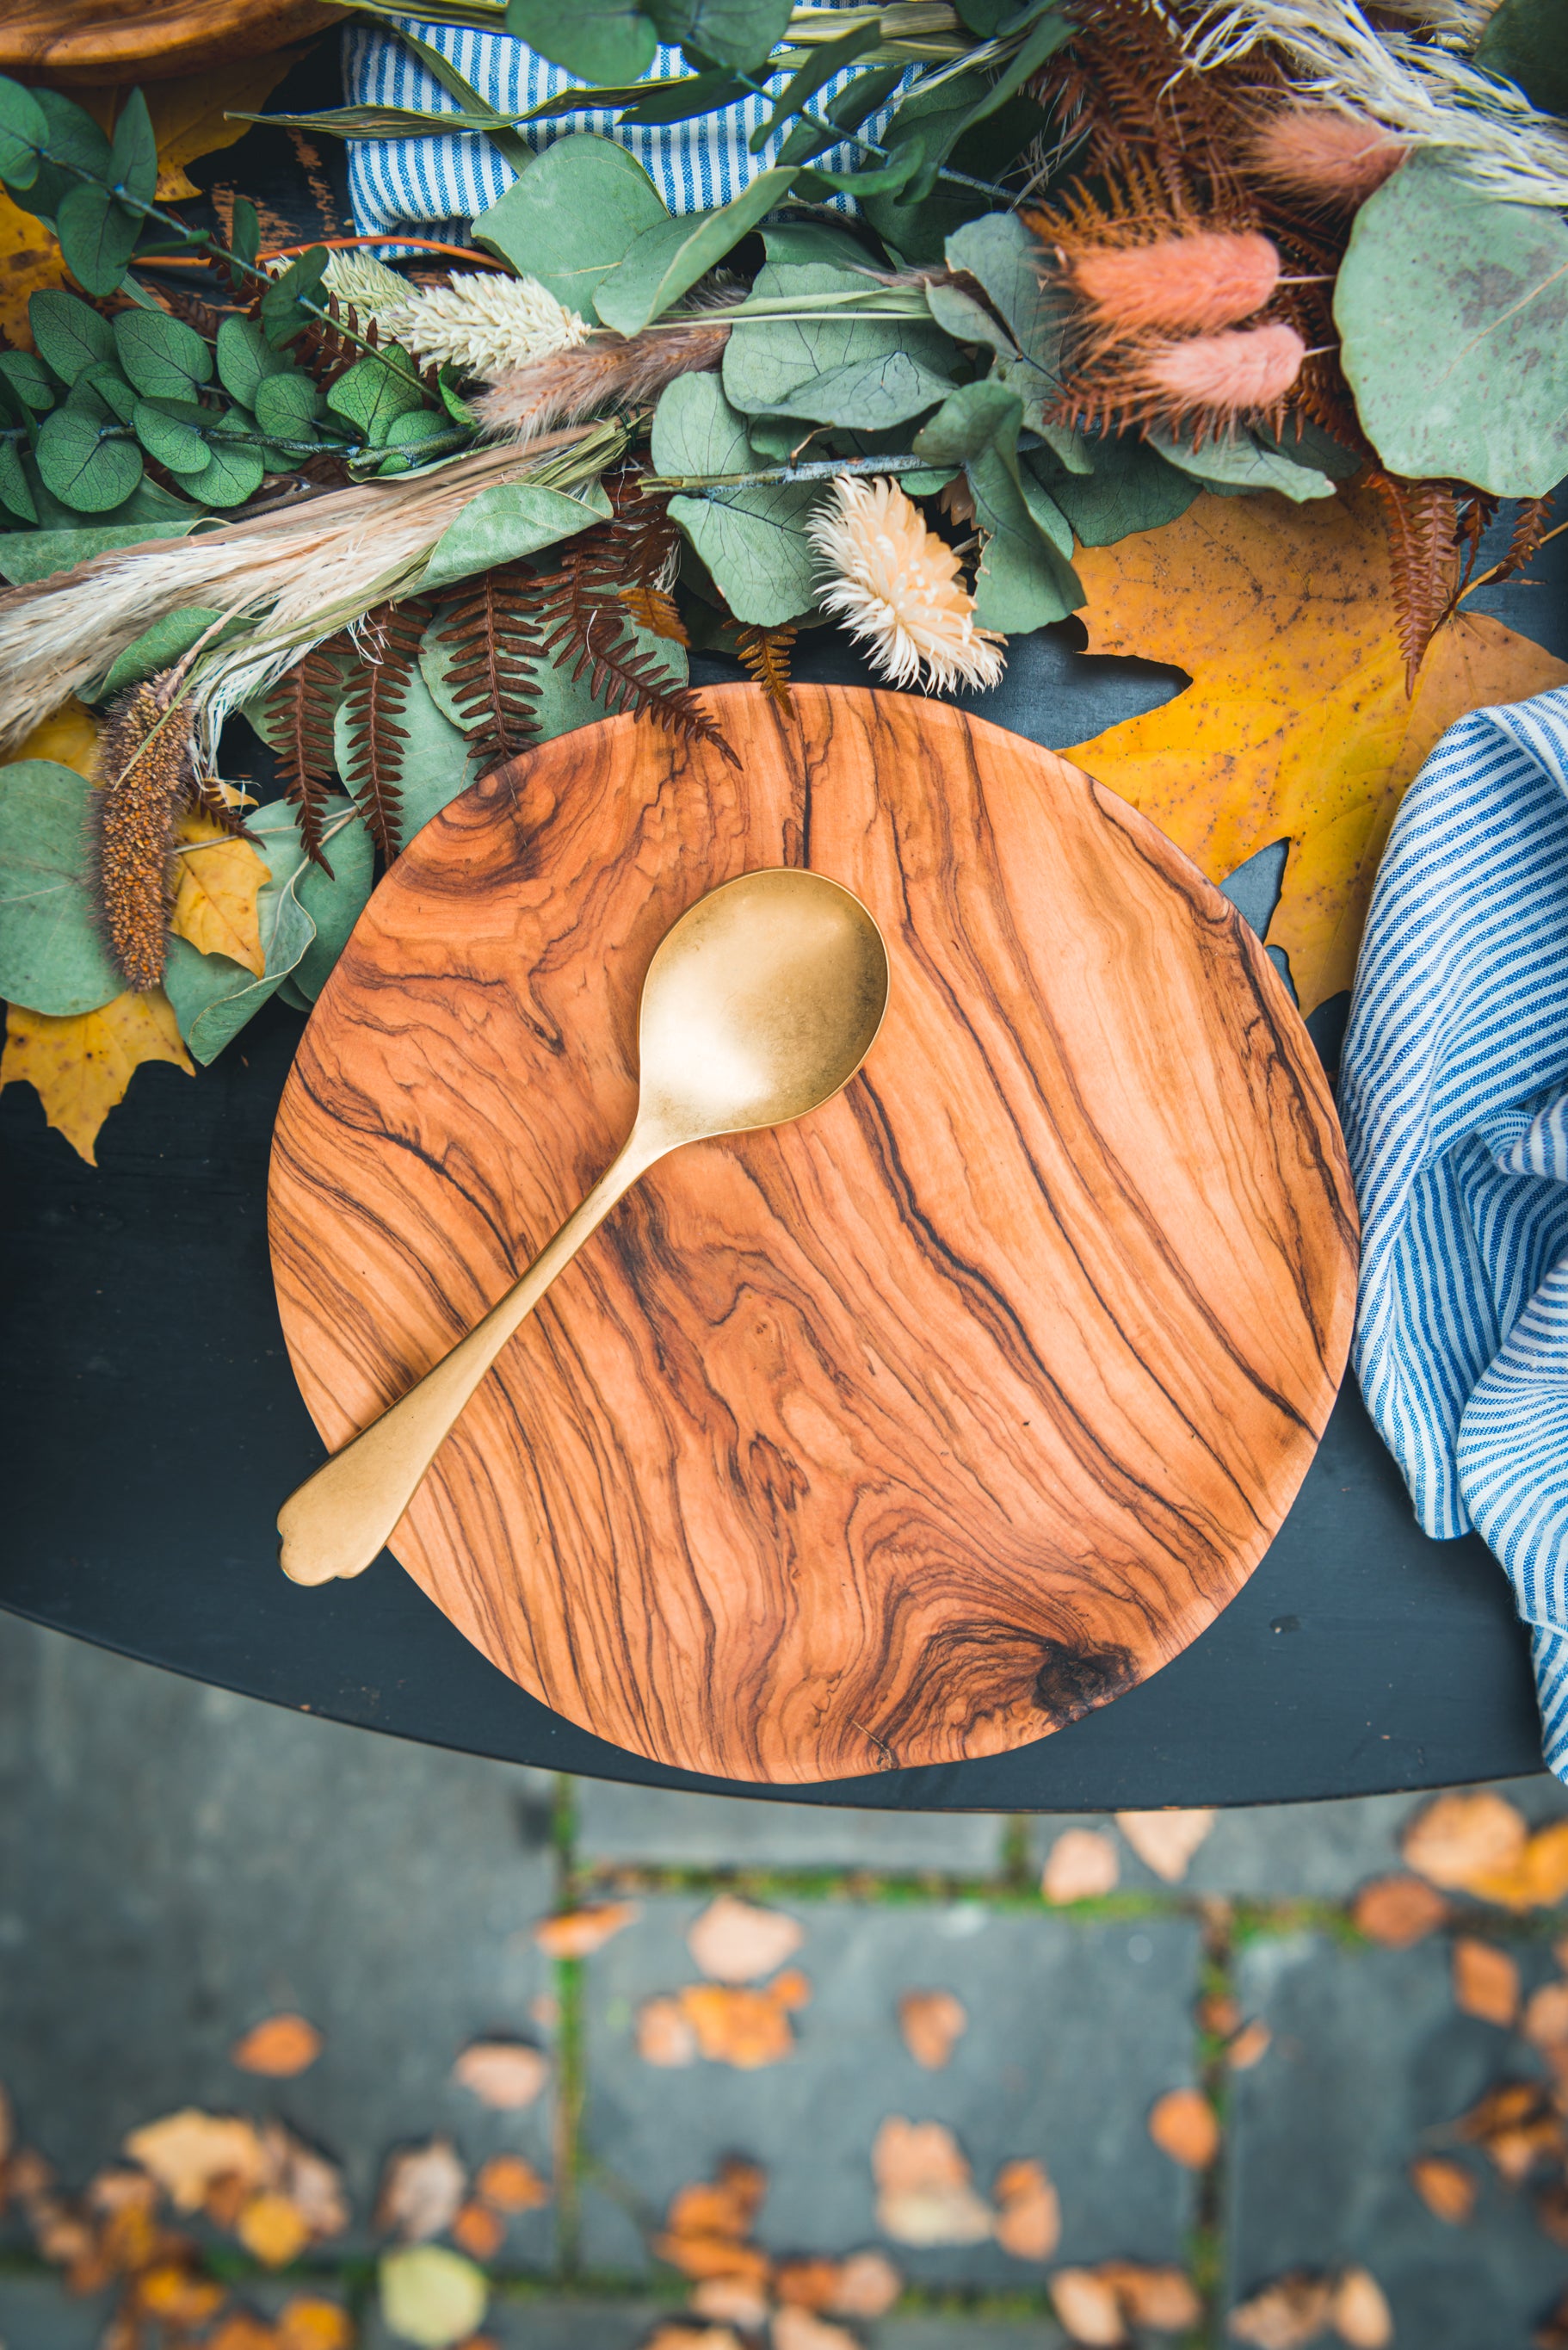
[{"x": 176, "y": 1863}]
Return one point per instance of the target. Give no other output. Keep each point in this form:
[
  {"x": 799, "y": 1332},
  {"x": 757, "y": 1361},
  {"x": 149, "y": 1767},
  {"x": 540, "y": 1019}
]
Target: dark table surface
[{"x": 152, "y": 1427}]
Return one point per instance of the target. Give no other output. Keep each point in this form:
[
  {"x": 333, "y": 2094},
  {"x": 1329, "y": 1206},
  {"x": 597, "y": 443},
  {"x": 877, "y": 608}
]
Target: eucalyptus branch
[{"x": 814, "y": 469}]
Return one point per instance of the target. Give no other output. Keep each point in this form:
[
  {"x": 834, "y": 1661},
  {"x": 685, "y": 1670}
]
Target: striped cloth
[
  {"x": 1454, "y": 1093},
  {"x": 442, "y": 182}
]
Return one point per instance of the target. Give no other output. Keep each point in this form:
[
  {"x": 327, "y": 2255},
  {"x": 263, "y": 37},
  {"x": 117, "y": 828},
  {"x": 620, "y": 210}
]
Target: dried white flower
[
  {"x": 359, "y": 277},
  {"x": 897, "y": 587},
  {"x": 484, "y": 324}
]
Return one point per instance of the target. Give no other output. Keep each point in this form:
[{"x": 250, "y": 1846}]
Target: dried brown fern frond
[
  {"x": 204, "y": 316},
  {"x": 643, "y": 542},
  {"x": 388, "y": 645},
  {"x": 1421, "y": 521},
  {"x": 144, "y": 770},
  {"x": 1529, "y": 531},
  {"x": 493, "y": 630},
  {"x": 766, "y": 653},
  {"x": 300, "y": 711},
  {"x": 583, "y": 622},
  {"x": 611, "y": 371},
  {"x": 655, "y": 610}
]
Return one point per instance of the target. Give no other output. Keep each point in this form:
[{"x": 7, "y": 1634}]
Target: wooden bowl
[{"x": 67, "y": 41}]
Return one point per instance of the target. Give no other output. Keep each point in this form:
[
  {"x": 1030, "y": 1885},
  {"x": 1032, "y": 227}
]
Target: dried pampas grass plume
[
  {"x": 1326, "y": 155},
  {"x": 144, "y": 771},
  {"x": 609, "y": 371},
  {"x": 897, "y": 587},
  {"x": 1198, "y": 282},
  {"x": 1227, "y": 376}
]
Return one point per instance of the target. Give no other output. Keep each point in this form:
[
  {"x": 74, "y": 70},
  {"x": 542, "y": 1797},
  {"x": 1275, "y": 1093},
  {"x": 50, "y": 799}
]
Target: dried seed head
[
  {"x": 144, "y": 771},
  {"x": 897, "y": 587},
  {"x": 1210, "y": 279},
  {"x": 1224, "y": 375},
  {"x": 1327, "y": 156}
]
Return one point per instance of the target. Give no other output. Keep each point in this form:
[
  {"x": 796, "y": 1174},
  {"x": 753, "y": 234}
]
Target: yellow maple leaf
[
  {"x": 69, "y": 736},
  {"x": 29, "y": 260},
  {"x": 189, "y": 112},
  {"x": 1296, "y": 723},
  {"x": 272, "y": 2229},
  {"x": 80, "y": 1068},
  {"x": 215, "y": 894}
]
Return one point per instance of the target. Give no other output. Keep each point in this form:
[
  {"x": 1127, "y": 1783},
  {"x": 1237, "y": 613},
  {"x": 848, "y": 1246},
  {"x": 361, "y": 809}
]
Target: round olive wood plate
[
  {"x": 71, "y": 41},
  {"x": 907, "y": 1433}
]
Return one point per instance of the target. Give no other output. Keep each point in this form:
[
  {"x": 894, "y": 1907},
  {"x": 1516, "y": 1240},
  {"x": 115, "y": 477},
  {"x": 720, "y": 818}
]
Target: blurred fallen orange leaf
[
  {"x": 508, "y": 2183},
  {"x": 1080, "y": 1866},
  {"x": 733, "y": 1942},
  {"x": 310, "y": 2321},
  {"x": 1447, "y": 2189},
  {"x": 801, "y": 2329},
  {"x": 931, "y": 2022},
  {"x": 242, "y": 2330},
  {"x": 1486, "y": 1982},
  {"x": 506, "y": 2074},
  {"x": 186, "y": 2151},
  {"x": 1249, "y": 2046},
  {"x": 739, "y": 2301},
  {"x": 478, "y": 2231},
  {"x": 1537, "y": 1879},
  {"x": 1166, "y": 1841},
  {"x": 1296, "y": 725},
  {"x": 1184, "y": 2125},
  {"x": 1359, "y": 2313},
  {"x": 421, "y": 2189},
  {"x": 738, "y": 2026},
  {"x": 273, "y": 2230},
  {"x": 1088, "y": 2309},
  {"x": 708, "y": 2221},
  {"x": 577, "y": 1933},
  {"x": 1398, "y": 1910},
  {"x": 278, "y": 2047},
  {"x": 1459, "y": 1838},
  {"x": 924, "y": 2192},
  {"x": 1163, "y": 2300},
  {"x": 1286, "y": 2315},
  {"x": 868, "y": 2285},
  {"x": 1545, "y": 2020},
  {"x": 665, "y": 2033},
  {"x": 807, "y": 2284},
  {"x": 1028, "y": 2211}
]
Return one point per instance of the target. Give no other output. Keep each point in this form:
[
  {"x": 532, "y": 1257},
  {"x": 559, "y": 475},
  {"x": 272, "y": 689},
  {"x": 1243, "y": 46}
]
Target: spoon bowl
[{"x": 759, "y": 1003}]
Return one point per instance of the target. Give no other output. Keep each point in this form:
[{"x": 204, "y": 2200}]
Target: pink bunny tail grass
[
  {"x": 564, "y": 387},
  {"x": 1210, "y": 279},
  {"x": 1223, "y": 376},
  {"x": 1329, "y": 157}
]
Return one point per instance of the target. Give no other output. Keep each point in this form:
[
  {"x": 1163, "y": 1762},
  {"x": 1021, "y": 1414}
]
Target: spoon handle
[{"x": 343, "y": 1516}]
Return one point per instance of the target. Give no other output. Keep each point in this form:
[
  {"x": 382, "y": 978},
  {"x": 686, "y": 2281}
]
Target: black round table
[{"x": 152, "y": 1427}]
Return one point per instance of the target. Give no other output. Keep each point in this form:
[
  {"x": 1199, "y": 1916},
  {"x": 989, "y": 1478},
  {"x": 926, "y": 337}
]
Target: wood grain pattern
[
  {"x": 904, "y": 1434},
  {"x": 70, "y": 41}
]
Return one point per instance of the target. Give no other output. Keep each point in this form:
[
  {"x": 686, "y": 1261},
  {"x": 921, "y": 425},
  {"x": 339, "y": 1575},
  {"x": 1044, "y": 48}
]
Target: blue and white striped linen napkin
[
  {"x": 442, "y": 182},
  {"x": 1453, "y": 1095}
]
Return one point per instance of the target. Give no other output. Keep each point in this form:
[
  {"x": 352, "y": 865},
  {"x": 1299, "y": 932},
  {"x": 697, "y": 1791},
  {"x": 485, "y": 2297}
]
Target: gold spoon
[{"x": 761, "y": 1002}]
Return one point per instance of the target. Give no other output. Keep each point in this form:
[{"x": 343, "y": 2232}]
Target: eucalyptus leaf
[
  {"x": 74, "y": 138},
  {"x": 967, "y": 319},
  {"x": 865, "y": 373},
  {"x": 16, "y": 495},
  {"x": 736, "y": 33},
  {"x": 29, "y": 379},
  {"x": 1452, "y": 312},
  {"x": 176, "y": 440},
  {"x": 133, "y": 150},
  {"x": 598, "y": 40},
  {"x": 51, "y": 957},
  {"x": 1130, "y": 488},
  {"x": 975, "y": 418},
  {"x": 98, "y": 237},
  {"x": 165, "y": 642},
  {"x": 213, "y": 997},
  {"x": 245, "y": 232},
  {"x": 286, "y": 404},
  {"x": 28, "y": 555},
  {"x": 821, "y": 64},
  {"x": 23, "y": 130},
  {"x": 247, "y": 361},
  {"x": 668, "y": 260},
  {"x": 334, "y": 902},
  {"x": 999, "y": 252},
  {"x": 683, "y": 99},
  {"x": 860, "y": 96},
  {"x": 69, "y": 334},
  {"x": 919, "y": 228},
  {"x": 800, "y": 244},
  {"x": 1525, "y": 42},
  {"x": 284, "y": 313},
  {"x": 373, "y": 395},
  {"x": 434, "y": 763},
  {"x": 1023, "y": 580},
  {"x": 106, "y": 382},
  {"x": 572, "y": 216},
  {"x": 405, "y": 435},
  {"x": 513, "y": 519},
  {"x": 1241, "y": 464},
  {"x": 752, "y": 540},
  {"x": 162, "y": 357},
  {"x": 83, "y": 470},
  {"x": 232, "y": 472}
]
